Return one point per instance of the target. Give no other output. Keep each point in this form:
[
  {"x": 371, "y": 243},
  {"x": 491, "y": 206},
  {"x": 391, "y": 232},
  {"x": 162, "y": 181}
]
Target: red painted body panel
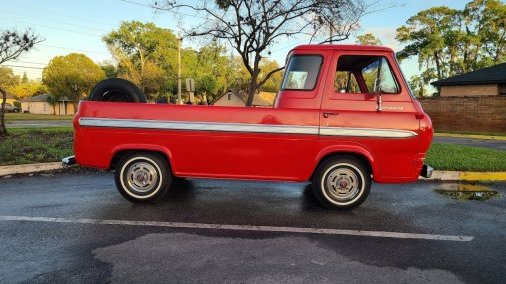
[{"x": 268, "y": 156}]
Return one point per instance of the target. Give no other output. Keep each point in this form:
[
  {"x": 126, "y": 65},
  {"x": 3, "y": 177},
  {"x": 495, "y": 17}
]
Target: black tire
[
  {"x": 142, "y": 177},
  {"x": 342, "y": 182},
  {"x": 15, "y": 110},
  {"x": 117, "y": 90}
]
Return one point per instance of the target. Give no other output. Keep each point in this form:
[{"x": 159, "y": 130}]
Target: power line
[
  {"x": 62, "y": 14},
  {"x": 54, "y": 28},
  {"x": 26, "y": 62},
  {"x": 72, "y": 49},
  {"x": 56, "y": 21},
  {"x": 19, "y": 66},
  {"x": 162, "y": 9},
  {"x": 178, "y": 13}
]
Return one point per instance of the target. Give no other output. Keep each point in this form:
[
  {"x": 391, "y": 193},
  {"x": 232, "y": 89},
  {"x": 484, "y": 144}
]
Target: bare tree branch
[{"x": 252, "y": 26}]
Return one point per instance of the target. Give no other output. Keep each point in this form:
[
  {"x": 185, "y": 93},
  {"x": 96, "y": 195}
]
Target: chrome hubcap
[
  {"x": 342, "y": 184},
  {"x": 142, "y": 177}
]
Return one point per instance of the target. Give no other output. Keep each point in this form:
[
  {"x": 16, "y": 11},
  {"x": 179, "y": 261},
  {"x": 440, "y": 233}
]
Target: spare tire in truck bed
[{"x": 117, "y": 90}]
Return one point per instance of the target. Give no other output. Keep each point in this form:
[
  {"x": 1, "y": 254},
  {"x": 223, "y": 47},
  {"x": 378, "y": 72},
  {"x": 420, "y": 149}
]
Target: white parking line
[{"x": 379, "y": 234}]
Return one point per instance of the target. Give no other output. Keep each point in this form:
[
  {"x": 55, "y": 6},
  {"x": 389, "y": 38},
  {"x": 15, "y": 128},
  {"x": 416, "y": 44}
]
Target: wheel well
[
  {"x": 360, "y": 157},
  {"x": 119, "y": 154}
]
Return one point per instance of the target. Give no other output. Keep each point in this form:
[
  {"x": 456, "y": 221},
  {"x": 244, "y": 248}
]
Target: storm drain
[{"x": 468, "y": 191}]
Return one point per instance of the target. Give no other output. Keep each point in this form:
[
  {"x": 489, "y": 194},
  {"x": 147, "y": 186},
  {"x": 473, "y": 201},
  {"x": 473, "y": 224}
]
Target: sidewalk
[
  {"x": 437, "y": 175},
  {"x": 29, "y": 168}
]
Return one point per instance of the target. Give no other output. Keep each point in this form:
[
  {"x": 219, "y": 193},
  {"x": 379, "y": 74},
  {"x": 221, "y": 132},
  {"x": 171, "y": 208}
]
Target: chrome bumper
[
  {"x": 68, "y": 161},
  {"x": 426, "y": 171}
]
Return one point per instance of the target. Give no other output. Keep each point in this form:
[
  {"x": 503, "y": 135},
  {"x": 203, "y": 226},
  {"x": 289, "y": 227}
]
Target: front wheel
[
  {"x": 342, "y": 182},
  {"x": 142, "y": 177}
]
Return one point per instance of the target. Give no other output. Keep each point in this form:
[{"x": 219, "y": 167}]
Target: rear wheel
[
  {"x": 142, "y": 177},
  {"x": 342, "y": 182}
]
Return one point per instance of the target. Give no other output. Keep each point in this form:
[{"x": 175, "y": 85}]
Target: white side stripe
[
  {"x": 245, "y": 127},
  {"x": 379, "y": 234},
  {"x": 201, "y": 126},
  {"x": 366, "y": 132}
]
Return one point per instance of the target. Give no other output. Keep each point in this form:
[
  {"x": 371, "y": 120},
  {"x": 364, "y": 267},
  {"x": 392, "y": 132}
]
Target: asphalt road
[
  {"x": 494, "y": 144},
  {"x": 77, "y": 228}
]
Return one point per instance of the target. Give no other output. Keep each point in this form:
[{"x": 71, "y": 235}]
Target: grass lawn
[
  {"x": 465, "y": 158},
  {"x": 28, "y": 145},
  {"x": 29, "y": 116}
]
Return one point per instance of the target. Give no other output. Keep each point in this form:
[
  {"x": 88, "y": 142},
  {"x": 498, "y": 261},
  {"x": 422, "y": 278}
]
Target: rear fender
[
  {"x": 346, "y": 149},
  {"x": 144, "y": 147}
]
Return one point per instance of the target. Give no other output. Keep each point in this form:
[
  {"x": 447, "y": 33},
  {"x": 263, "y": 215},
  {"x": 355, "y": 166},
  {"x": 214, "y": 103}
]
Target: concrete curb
[
  {"x": 29, "y": 168},
  {"x": 467, "y": 176},
  {"x": 471, "y": 136}
]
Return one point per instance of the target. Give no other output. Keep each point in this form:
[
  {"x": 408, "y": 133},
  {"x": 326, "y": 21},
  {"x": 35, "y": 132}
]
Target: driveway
[
  {"x": 494, "y": 144},
  {"x": 38, "y": 123},
  {"x": 77, "y": 228}
]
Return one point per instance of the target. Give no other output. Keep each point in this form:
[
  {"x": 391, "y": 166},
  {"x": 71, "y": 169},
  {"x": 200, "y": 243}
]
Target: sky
[{"x": 78, "y": 26}]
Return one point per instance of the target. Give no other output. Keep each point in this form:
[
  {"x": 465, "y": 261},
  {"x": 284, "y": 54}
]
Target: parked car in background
[{"x": 10, "y": 108}]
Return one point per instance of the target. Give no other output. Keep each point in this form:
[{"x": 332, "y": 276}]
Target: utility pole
[{"x": 179, "y": 40}]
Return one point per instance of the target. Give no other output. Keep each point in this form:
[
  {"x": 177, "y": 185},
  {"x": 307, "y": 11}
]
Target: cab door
[{"x": 367, "y": 104}]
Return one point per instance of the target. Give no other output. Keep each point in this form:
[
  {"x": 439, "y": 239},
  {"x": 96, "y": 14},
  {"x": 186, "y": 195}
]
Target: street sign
[{"x": 190, "y": 85}]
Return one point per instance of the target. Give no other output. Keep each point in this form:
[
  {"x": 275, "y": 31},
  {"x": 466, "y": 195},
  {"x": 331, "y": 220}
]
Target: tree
[
  {"x": 71, "y": 76},
  {"x": 25, "y": 87},
  {"x": 110, "y": 70},
  {"x": 274, "y": 81},
  {"x": 53, "y": 101},
  {"x": 12, "y": 45},
  {"x": 450, "y": 42},
  {"x": 146, "y": 55},
  {"x": 25, "y": 78},
  {"x": 7, "y": 78},
  {"x": 251, "y": 26},
  {"x": 28, "y": 89},
  {"x": 368, "y": 39}
]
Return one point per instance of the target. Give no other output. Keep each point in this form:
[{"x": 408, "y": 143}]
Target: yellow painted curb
[
  {"x": 479, "y": 176},
  {"x": 472, "y": 136}
]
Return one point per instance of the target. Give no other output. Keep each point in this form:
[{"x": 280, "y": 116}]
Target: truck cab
[{"x": 362, "y": 99}]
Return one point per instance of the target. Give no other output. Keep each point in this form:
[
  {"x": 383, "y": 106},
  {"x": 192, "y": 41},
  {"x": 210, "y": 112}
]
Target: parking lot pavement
[
  {"x": 38, "y": 123},
  {"x": 493, "y": 144},
  {"x": 78, "y": 228}
]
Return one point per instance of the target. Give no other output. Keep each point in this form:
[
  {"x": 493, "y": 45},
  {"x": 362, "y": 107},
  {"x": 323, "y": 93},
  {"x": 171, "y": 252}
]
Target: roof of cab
[{"x": 349, "y": 47}]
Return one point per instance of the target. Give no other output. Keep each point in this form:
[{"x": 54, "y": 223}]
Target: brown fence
[{"x": 467, "y": 114}]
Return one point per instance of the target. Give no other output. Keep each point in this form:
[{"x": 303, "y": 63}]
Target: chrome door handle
[{"x": 327, "y": 114}]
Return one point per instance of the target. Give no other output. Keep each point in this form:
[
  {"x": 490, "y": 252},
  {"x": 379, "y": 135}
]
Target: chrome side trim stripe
[
  {"x": 366, "y": 132},
  {"x": 200, "y": 126},
  {"x": 245, "y": 127}
]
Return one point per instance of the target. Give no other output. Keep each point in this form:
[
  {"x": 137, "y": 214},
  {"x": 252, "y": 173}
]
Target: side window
[
  {"x": 364, "y": 74},
  {"x": 302, "y": 72},
  {"x": 378, "y": 77},
  {"x": 345, "y": 82}
]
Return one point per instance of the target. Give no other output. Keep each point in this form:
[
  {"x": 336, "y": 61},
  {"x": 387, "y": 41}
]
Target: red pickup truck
[{"x": 344, "y": 116}]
